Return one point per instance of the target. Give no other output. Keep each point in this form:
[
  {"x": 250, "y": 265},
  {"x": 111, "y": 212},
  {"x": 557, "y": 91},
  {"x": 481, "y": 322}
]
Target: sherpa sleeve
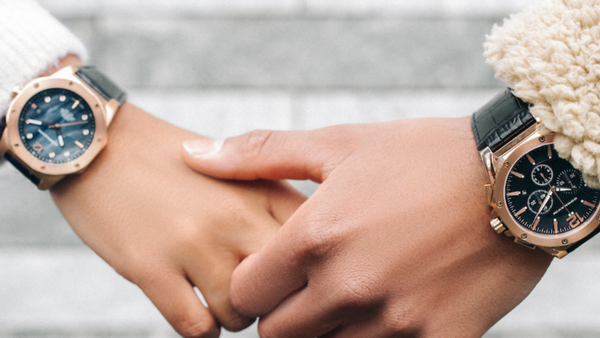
[
  {"x": 31, "y": 41},
  {"x": 550, "y": 55}
]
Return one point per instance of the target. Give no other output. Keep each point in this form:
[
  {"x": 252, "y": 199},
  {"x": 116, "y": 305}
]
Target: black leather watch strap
[
  {"x": 101, "y": 84},
  {"x": 22, "y": 169},
  {"x": 499, "y": 120},
  {"x": 2, "y": 124}
]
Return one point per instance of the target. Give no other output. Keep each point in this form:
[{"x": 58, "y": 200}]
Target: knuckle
[
  {"x": 254, "y": 142},
  {"x": 320, "y": 238},
  {"x": 358, "y": 293},
  {"x": 400, "y": 323}
]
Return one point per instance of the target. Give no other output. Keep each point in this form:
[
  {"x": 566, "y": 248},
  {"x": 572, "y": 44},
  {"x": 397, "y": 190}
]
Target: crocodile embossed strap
[
  {"x": 101, "y": 84},
  {"x": 500, "y": 120}
]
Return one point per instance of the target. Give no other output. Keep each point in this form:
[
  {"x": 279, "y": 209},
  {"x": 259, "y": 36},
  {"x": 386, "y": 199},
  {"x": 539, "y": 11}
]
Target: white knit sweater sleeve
[
  {"x": 550, "y": 55},
  {"x": 31, "y": 41}
]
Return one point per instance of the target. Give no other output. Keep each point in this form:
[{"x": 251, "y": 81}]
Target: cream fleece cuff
[
  {"x": 550, "y": 54},
  {"x": 31, "y": 41}
]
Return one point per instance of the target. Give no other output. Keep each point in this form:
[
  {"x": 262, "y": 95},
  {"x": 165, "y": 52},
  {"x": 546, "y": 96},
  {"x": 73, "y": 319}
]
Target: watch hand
[
  {"x": 562, "y": 189},
  {"x": 61, "y": 141},
  {"x": 553, "y": 190},
  {"x": 60, "y": 125},
  {"x": 35, "y": 122},
  {"x": 47, "y": 137},
  {"x": 548, "y": 196}
]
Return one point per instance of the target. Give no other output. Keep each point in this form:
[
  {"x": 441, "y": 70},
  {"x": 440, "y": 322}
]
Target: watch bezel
[
  {"x": 534, "y": 140},
  {"x": 12, "y": 143}
]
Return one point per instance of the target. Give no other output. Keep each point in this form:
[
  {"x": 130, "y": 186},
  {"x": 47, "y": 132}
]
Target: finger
[
  {"x": 264, "y": 279},
  {"x": 175, "y": 298},
  {"x": 303, "y": 315},
  {"x": 284, "y": 200},
  {"x": 213, "y": 277},
  {"x": 214, "y": 285},
  {"x": 269, "y": 154}
]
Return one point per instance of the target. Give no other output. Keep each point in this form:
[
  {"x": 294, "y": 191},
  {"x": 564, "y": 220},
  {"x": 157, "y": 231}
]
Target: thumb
[{"x": 267, "y": 154}]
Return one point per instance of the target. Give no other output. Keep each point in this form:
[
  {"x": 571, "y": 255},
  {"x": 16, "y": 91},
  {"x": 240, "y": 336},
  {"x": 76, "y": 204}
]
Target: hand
[
  {"x": 165, "y": 227},
  {"x": 396, "y": 240}
]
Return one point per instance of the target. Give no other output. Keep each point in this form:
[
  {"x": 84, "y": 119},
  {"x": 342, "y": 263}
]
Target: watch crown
[
  {"x": 16, "y": 91},
  {"x": 497, "y": 225}
]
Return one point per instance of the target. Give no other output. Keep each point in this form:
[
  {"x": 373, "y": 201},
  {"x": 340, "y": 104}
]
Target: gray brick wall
[{"x": 224, "y": 67}]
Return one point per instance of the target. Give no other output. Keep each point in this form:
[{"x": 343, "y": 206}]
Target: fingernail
[{"x": 203, "y": 147}]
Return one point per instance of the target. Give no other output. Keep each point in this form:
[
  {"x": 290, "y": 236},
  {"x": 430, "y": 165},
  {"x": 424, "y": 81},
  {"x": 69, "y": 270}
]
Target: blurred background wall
[{"x": 224, "y": 67}]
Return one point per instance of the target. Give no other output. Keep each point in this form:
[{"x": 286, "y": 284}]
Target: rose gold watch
[
  {"x": 536, "y": 196},
  {"x": 57, "y": 125}
]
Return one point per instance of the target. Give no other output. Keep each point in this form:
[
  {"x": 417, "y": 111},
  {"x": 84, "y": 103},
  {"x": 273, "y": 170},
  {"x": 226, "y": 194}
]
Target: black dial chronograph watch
[
  {"x": 57, "y": 125},
  {"x": 536, "y": 196}
]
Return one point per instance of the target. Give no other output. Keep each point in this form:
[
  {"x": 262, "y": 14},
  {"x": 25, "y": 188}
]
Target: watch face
[
  {"x": 56, "y": 126},
  {"x": 545, "y": 194}
]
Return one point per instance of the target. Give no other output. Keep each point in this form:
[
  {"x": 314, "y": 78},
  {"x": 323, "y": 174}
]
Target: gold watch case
[
  {"x": 48, "y": 173},
  {"x": 499, "y": 166}
]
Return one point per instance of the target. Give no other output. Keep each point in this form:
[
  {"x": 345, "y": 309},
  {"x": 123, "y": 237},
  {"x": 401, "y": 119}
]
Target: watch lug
[
  {"x": 489, "y": 193},
  {"x": 523, "y": 243},
  {"x": 487, "y": 156},
  {"x": 555, "y": 252}
]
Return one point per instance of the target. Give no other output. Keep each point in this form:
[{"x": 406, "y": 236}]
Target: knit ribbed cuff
[{"x": 31, "y": 41}]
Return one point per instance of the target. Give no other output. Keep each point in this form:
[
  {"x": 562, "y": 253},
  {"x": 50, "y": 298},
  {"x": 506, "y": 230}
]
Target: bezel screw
[
  {"x": 499, "y": 204},
  {"x": 523, "y": 236},
  {"x": 542, "y": 139},
  {"x": 565, "y": 241},
  {"x": 507, "y": 164}
]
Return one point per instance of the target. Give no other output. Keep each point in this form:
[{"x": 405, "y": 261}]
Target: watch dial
[
  {"x": 57, "y": 126},
  {"x": 545, "y": 194}
]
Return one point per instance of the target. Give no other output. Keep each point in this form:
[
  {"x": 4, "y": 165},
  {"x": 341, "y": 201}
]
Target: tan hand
[
  {"x": 395, "y": 242},
  {"x": 166, "y": 228}
]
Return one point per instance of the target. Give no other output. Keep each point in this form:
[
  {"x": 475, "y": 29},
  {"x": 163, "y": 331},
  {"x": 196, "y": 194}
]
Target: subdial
[
  {"x": 542, "y": 174},
  {"x": 536, "y": 199},
  {"x": 569, "y": 181}
]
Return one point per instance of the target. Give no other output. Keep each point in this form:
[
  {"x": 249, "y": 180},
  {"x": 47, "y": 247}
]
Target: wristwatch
[
  {"x": 57, "y": 125},
  {"x": 536, "y": 196}
]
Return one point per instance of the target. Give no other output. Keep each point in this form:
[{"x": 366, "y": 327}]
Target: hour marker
[
  {"x": 67, "y": 153},
  {"x": 535, "y": 224},
  {"x": 75, "y": 104},
  {"x": 61, "y": 141},
  {"x": 62, "y": 98},
  {"x": 519, "y": 175},
  {"x": 35, "y": 122},
  {"x": 530, "y": 159},
  {"x": 514, "y": 193},
  {"x": 29, "y": 136},
  {"x": 51, "y": 155},
  {"x": 33, "y": 106},
  {"x": 77, "y": 143},
  {"x": 38, "y": 147},
  {"x": 518, "y": 213},
  {"x": 555, "y": 226},
  {"x": 47, "y": 99},
  {"x": 549, "y": 152},
  {"x": 586, "y": 203},
  {"x": 86, "y": 132},
  {"x": 84, "y": 117}
]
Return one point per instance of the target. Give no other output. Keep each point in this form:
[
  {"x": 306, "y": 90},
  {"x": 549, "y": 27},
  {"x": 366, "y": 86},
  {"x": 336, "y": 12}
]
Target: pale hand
[{"x": 166, "y": 228}]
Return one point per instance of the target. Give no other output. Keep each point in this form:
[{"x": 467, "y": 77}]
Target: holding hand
[
  {"x": 168, "y": 229},
  {"x": 394, "y": 242}
]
